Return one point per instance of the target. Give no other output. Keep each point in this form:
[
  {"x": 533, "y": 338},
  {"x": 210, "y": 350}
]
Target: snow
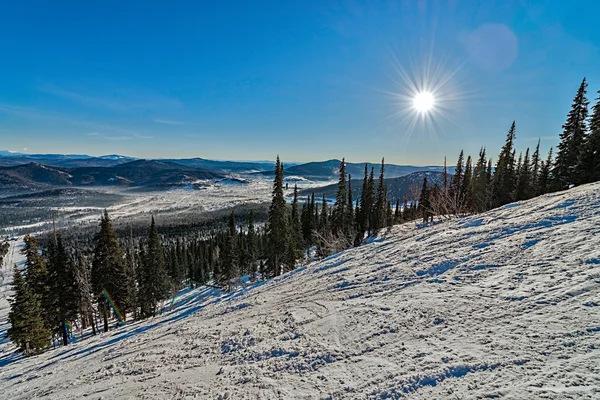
[{"x": 504, "y": 304}]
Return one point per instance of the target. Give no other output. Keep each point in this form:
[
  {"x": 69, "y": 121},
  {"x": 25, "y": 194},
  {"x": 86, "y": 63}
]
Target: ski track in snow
[{"x": 504, "y": 304}]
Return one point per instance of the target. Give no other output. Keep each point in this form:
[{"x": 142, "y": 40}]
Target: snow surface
[{"x": 504, "y": 304}]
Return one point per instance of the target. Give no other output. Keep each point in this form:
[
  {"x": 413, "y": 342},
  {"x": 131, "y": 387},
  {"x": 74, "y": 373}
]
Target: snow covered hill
[{"x": 504, "y": 304}]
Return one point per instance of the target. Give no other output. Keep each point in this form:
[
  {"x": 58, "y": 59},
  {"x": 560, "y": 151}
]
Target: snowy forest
[{"x": 104, "y": 282}]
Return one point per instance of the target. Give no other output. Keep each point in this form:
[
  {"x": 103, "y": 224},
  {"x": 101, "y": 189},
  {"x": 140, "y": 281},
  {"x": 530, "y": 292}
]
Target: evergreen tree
[
  {"x": 588, "y": 165},
  {"x": 63, "y": 292},
  {"x": 362, "y": 215},
  {"x": 424, "y": 206},
  {"x": 457, "y": 179},
  {"x": 380, "y": 209},
  {"x": 466, "y": 200},
  {"x": 108, "y": 270},
  {"x": 228, "y": 256},
  {"x": 36, "y": 276},
  {"x": 251, "y": 245},
  {"x": 545, "y": 178},
  {"x": 572, "y": 139},
  {"x": 503, "y": 180},
  {"x": 154, "y": 282},
  {"x": 350, "y": 221},
  {"x": 535, "y": 169},
  {"x": 27, "y": 328},
  {"x": 524, "y": 182},
  {"x": 339, "y": 214},
  {"x": 478, "y": 185},
  {"x": 277, "y": 229},
  {"x": 296, "y": 245}
]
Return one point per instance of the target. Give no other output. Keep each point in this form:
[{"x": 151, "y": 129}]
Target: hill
[
  {"x": 324, "y": 170},
  {"x": 402, "y": 187},
  {"x": 504, "y": 304},
  {"x": 132, "y": 173}
]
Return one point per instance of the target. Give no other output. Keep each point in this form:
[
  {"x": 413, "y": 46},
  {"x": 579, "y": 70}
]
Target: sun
[{"x": 423, "y": 102}]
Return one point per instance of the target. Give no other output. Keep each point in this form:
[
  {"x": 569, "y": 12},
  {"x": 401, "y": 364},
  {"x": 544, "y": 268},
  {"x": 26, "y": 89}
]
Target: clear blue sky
[{"x": 308, "y": 80}]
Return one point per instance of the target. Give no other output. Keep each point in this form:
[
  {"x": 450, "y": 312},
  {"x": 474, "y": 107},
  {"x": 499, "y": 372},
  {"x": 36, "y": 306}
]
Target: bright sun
[{"x": 423, "y": 102}]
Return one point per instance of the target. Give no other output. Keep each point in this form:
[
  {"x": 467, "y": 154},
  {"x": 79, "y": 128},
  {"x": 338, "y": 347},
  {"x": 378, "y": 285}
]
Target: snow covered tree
[
  {"x": 295, "y": 244},
  {"x": 572, "y": 139},
  {"x": 545, "y": 178},
  {"x": 27, "y": 328}
]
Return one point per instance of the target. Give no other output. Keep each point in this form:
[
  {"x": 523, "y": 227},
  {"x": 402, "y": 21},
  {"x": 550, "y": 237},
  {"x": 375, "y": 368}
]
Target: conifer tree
[
  {"x": 424, "y": 203},
  {"x": 524, "y": 184},
  {"x": 503, "y": 180},
  {"x": 36, "y": 276},
  {"x": 535, "y": 169},
  {"x": 362, "y": 216},
  {"x": 251, "y": 244},
  {"x": 479, "y": 183},
  {"x": 277, "y": 229},
  {"x": 108, "y": 270},
  {"x": 228, "y": 256},
  {"x": 296, "y": 244},
  {"x": 457, "y": 179},
  {"x": 339, "y": 214},
  {"x": 82, "y": 276},
  {"x": 465, "y": 198},
  {"x": 27, "y": 328},
  {"x": 350, "y": 221},
  {"x": 63, "y": 292},
  {"x": 545, "y": 178},
  {"x": 381, "y": 205},
  {"x": 154, "y": 282},
  {"x": 588, "y": 164},
  {"x": 572, "y": 139}
]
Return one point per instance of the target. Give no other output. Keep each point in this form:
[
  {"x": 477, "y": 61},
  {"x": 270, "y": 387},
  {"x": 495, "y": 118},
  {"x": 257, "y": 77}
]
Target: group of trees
[
  {"x": 132, "y": 277},
  {"x": 60, "y": 286},
  {"x": 482, "y": 186}
]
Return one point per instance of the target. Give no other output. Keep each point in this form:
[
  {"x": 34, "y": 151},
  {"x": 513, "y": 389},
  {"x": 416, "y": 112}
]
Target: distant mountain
[
  {"x": 133, "y": 173},
  {"x": 8, "y": 158},
  {"x": 324, "y": 170},
  {"x": 398, "y": 188},
  {"x": 225, "y": 166}
]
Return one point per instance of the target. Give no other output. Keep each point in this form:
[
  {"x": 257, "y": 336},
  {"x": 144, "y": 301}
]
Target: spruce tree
[
  {"x": 27, "y": 328},
  {"x": 572, "y": 139},
  {"x": 154, "y": 282},
  {"x": 503, "y": 180},
  {"x": 108, "y": 270},
  {"x": 479, "y": 183},
  {"x": 545, "y": 178},
  {"x": 535, "y": 169},
  {"x": 296, "y": 245},
  {"x": 380, "y": 209},
  {"x": 588, "y": 164},
  {"x": 62, "y": 287},
  {"x": 251, "y": 245},
  {"x": 457, "y": 179},
  {"x": 524, "y": 182},
  {"x": 465, "y": 198},
  {"x": 424, "y": 206},
  {"x": 338, "y": 215},
  {"x": 277, "y": 229},
  {"x": 362, "y": 216}
]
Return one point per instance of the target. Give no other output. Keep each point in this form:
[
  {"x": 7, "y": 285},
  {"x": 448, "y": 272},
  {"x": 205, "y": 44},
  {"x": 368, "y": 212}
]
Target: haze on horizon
[{"x": 310, "y": 81}]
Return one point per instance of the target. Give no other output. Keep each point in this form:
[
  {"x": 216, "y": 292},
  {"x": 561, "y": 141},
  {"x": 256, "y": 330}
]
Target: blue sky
[{"x": 308, "y": 80}]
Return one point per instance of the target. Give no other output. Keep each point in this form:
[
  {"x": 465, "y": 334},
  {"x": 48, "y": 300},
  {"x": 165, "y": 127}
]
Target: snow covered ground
[{"x": 504, "y": 304}]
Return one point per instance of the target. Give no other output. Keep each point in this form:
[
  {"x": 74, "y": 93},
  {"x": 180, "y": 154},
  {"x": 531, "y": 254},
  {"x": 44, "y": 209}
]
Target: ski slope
[{"x": 504, "y": 304}]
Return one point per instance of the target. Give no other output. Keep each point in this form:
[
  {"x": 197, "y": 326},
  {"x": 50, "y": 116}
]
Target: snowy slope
[{"x": 504, "y": 304}]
